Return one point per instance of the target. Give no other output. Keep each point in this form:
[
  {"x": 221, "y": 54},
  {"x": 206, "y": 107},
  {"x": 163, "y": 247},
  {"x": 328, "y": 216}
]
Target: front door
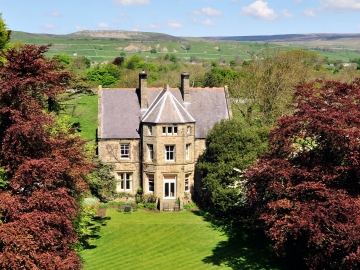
[{"x": 169, "y": 186}]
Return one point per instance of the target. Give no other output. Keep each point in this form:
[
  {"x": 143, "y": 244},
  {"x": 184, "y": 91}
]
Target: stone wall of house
[
  {"x": 161, "y": 168},
  {"x": 110, "y": 152}
]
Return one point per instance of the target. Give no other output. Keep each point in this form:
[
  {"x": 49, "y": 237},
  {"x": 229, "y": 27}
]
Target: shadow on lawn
[
  {"x": 95, "y": 228},
  {"x": 245, "y": 249}
]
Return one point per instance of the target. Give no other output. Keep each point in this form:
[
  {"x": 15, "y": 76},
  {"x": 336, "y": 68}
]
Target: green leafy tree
[
  {"x": 231, "y": 147},
  {"x": 101, "y": 76},
  {"x": 102, "y": 182}
]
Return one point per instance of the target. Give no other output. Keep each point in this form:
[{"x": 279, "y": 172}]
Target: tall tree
[
  {"x": 267, "y": 84},
  {"x": 306, "y": 191},
  {"x": 231, "y": 147},
  {"x": 44, "y": 167}
]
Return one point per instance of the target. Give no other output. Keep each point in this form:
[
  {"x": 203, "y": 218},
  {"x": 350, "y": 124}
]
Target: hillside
[{"x": 108, "y": 44}]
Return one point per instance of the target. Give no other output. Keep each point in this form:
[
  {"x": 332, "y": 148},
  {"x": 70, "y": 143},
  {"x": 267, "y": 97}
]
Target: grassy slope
[
  {"x": 181, "y": 240},
  {"x": 84, "y": 109}
]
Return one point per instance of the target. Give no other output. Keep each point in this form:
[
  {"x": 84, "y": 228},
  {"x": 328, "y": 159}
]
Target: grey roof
[
  {"x": 167, "y": 109},
  {"x": 121, "y": 113}
]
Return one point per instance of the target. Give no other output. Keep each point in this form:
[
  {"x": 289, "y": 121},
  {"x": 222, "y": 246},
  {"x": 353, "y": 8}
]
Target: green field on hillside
[
  {"x": 83, "y": 109},
  {"x": 171, "y": 240}
]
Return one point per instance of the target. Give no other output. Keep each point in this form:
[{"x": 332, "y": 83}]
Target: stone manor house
[{"x": 154, "y": 136}]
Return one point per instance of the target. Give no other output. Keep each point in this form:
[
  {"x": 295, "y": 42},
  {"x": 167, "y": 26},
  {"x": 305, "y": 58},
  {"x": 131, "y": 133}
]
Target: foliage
[
  {"x": 134, "y": 62},
  {"x": 189, "y": 206},
  {"x": 219, "y": 77},
  {"x": 268, "y": 82},
  {"x": 150, "y": 206},
  {"x": 231, "y": 147},
  {"x": 4, "y": 36},
  {"x": 45, "y": 171},
  {"x": 305, "y": 191},
  {"x": 102, "y": 182},
  {"x": 64, "y": 58},
  {"x": 101, "y": 76},
  {"x": 118, "y": 61},
  {"x": 83, "y": 225}
]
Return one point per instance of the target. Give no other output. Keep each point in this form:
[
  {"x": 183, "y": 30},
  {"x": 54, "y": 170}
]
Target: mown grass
[{"x": 179, "y": 240}]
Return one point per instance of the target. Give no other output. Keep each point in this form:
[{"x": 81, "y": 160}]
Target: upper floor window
[
  {"x": 188, "y": 130},
  {"x": 187, "y": 151},
  {"x": 170, "y": 130},
  {"x": 125, "y": 150},
  {"x": 150, "y": 130},
  {"x": 151, "y": 151},
  {"x": 170, "y": 152}
]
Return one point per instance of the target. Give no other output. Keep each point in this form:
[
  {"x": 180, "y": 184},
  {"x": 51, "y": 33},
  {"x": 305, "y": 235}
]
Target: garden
[{"x": 171, "y": 240}]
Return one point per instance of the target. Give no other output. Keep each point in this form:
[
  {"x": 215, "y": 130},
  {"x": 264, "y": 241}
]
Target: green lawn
[{"x": 179, "y": 240}]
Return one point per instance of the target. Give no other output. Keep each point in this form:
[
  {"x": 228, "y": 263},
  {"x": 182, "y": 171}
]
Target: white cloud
[
  {"x": 286, "y": 13},
  {"x": 358, "y": 27},
  {"x": 102, "y": 25},
  {"x": 260, "y": 9},
  {"x": 208, "y": 11},
  {"x": 131, "y": 2},
  {"x": 309, "y": 13},
  {"x": 49, "y": 26},
  {"x": 155, "y": 26},
  {"x": 340, "y": 5},
  {"x": 174, "y": 24},
  {"x": 53, "y": 14},
  {"x": 196, "y": 13},
  {"x": 123, "y": 15},
  {"x": 80, "y": 28},
  {"x": 211, "y": 12},
  {"x": 208, "y": 22}
]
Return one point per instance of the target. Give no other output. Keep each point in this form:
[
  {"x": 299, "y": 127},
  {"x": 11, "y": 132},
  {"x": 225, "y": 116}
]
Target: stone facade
[{"x": 155, "y": 136}]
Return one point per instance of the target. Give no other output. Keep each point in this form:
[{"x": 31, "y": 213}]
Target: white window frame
[
  {"x": 187, "y": 182},
  {"x": 151, "y": 179},
  {"x": 169, "y": 186},
  {"x": 170, "y": 130},
  {"x": 188, "y": 130},
  {"x": 124, "y": 151},
  {"x": 151, "y": 151},
  {"x": 187, "y": 151},
  {"x": 124, "y": 181},
  {"x": 170, "y": 152}
]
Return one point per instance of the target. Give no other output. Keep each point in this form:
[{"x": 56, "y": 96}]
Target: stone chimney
[
  {"x": 185, "y": 86},
  {"x": 143, "y": 89}
]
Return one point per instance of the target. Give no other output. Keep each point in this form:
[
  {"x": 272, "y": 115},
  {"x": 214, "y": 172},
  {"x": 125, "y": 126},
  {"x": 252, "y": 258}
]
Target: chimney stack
[
  {"x": 185, "y": 86},
  {"x": 143, "y": 89}
]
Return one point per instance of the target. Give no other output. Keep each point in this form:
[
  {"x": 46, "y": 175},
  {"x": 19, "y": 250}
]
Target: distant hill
[
  {"x": 104, "y": 45},
  {"x": 288, "y": 38}
]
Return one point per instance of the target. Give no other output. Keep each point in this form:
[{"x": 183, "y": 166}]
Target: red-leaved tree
[
  {"x": 305, "y": 191},
  {"x": 44, "y": 167}
]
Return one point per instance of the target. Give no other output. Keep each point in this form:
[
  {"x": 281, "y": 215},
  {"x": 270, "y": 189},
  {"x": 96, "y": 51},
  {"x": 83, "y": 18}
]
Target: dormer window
[{"x": 170, "y": 130}]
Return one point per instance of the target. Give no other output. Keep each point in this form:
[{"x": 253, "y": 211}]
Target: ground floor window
[
  {"x": 124, "y": 181},
  {"x": 169, "y": 186},
  {"x": 187, "y": 182},
  {"x": 151, "y": 183}
]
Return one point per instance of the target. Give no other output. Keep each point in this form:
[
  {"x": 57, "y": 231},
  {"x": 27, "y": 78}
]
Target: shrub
[
  {"x": 150, "y": 206},
  {"x": 189, "y": 206}
]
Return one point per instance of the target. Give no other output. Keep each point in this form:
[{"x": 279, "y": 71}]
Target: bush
[
  {"x": 189, "y": 206},
  {"x": 150, "y": 206}
]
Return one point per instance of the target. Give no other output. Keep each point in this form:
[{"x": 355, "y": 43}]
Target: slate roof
[
  {"x": 167, "y": 109},
  {"x": 121, "y": 113}
]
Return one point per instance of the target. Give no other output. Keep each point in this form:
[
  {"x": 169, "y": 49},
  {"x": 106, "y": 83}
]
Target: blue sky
[{"x": 184, "y": 17}]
